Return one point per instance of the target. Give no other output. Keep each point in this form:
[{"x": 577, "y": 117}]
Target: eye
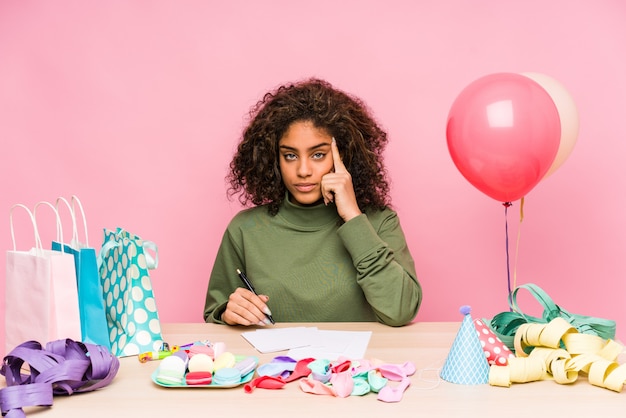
[
  {"x": 289, "y": 156},
  {"x": 318, "y": 155}
]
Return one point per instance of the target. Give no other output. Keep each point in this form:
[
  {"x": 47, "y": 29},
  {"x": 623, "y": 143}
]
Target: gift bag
[
  {"x": 93, "y": 323},
  {"x": 132, "y": 316},
  {"x": 41, "y": 296}
]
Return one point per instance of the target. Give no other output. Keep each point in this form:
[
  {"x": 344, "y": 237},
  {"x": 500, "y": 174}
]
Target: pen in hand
[{"x": 249, "y": 286}]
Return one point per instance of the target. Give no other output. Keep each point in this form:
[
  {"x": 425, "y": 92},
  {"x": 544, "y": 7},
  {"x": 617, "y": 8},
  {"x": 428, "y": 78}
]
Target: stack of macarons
[
  {"x": 203, "y": 365},
  {"x": 200, "y": 370}
]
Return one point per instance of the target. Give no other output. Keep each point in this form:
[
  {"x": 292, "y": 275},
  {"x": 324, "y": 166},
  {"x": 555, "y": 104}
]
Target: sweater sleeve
[
  {"x": 385, "y": 267},
  {"x": 223, "y": 280}
]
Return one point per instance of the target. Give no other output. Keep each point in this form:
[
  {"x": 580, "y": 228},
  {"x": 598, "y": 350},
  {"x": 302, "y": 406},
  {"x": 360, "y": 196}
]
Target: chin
[{"x": 305, "y": 200}]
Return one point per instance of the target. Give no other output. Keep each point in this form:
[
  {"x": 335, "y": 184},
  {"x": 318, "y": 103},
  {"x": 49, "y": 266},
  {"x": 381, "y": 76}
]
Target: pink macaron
[{"x": 198, "y": 378}]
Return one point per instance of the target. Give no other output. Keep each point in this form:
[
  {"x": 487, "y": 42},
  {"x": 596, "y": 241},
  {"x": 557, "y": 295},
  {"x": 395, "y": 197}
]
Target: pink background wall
[{"x": 136, "y": 107}]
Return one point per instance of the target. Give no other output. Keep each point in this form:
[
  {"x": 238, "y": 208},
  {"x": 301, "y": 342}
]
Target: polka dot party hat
[
  {"x": 466, "y": 363},
  {"x": 496, "y": 352}
]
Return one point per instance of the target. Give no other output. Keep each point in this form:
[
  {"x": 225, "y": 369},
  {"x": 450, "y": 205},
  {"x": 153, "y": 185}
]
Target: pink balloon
[{"x": 503, "y": 134}]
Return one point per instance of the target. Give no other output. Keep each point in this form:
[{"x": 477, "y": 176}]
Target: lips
[{"x": 305, "y": 187}]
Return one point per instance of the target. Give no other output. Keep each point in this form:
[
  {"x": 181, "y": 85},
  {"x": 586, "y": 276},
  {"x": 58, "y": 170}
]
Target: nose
[{"x": 304, "y": 168}]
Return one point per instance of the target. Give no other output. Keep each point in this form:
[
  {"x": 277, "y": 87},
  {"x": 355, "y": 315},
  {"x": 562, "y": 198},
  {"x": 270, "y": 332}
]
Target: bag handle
[
  {"x": 76, "y": 201},
  {"x": 106, "y": 247},
  {"x": 32, "y": 219},
  {"x": 58, "y": 218},
  {"x": 72, "y": 216},
  {"x": 151, "y": 251},
  {"x": 152, "y": 262},
  {"x": 75, "y": 242}
]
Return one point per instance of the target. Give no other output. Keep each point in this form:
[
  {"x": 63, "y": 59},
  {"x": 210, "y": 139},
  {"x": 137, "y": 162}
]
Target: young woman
[{"x": 321, "y": 243}]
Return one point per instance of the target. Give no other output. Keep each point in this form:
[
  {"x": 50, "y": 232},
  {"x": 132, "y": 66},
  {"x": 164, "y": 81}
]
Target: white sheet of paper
[
  {"x": 272, "y": 340},
  {"x": 303, "y": 342},
  {"x": 332, "y": 345}
]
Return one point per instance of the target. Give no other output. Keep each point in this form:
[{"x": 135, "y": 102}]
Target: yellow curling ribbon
[{"x": 557, "y": 351}]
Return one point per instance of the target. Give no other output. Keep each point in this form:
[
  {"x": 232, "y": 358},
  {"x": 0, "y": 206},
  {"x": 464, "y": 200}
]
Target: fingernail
[
  {"x": 267, "y": 311},
  {"x": 267, "y": 321},
  {"x": 334, "y": 142},
  {"x": 261, "y": 323}
]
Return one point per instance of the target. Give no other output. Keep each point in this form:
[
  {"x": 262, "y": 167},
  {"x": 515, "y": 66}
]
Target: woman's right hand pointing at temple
[{"x": 337, "y": 187}]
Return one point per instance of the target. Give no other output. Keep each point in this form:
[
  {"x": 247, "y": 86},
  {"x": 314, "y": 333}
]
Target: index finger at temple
[{"x": 338, "y": 164}]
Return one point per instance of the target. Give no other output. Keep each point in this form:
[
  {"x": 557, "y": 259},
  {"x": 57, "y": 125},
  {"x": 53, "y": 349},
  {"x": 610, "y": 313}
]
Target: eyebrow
[{"x": 286, "y": 147}]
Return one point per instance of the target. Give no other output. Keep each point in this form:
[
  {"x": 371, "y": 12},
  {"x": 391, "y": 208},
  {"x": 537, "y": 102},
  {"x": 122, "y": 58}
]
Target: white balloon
[{"x": 568, "y": 114}]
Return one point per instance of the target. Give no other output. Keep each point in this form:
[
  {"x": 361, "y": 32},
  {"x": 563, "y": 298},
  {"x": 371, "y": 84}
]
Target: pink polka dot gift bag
[{"x": 132, "y": 316}]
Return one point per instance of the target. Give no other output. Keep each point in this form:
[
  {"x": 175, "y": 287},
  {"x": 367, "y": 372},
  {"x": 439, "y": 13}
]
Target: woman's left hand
[{"x": 337, "y": 187}]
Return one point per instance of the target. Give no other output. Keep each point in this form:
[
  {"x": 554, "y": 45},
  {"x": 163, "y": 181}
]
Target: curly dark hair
[{"x": 255, "y": 172}]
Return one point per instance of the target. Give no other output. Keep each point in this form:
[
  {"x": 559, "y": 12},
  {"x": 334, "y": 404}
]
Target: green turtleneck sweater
[{"x": 316, "y": 269}]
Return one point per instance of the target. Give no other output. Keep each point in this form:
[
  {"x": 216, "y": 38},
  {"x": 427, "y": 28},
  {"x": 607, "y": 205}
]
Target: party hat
[
  {"x": 496, "y": 352},
  {"x": 466, "y": 363}
]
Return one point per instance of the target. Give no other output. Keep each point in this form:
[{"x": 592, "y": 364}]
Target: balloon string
[
  {"x": 519, "y": 233},
  {"x": 506, "y": 233},
  {"x": 506, "y": 246}
]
